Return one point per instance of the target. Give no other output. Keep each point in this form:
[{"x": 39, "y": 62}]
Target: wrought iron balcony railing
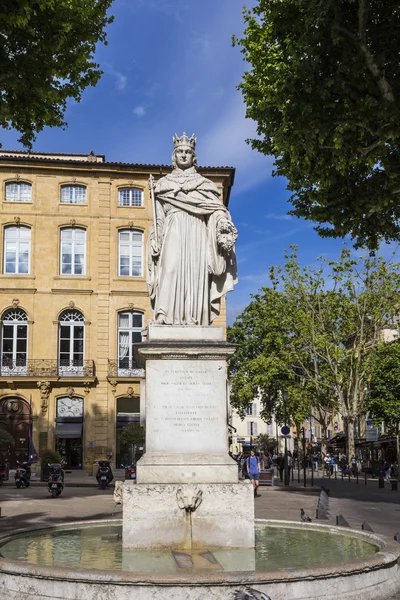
[
  {"x": 43, "y": 367},
  {"x": 124, "y": 368}
]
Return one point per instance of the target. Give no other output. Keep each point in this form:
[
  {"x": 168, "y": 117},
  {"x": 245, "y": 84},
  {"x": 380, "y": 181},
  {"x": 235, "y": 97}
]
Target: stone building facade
[{"x": 73, "y": 299}]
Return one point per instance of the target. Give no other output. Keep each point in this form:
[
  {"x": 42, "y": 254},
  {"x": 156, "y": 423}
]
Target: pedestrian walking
[{"x": 253, "y": 470}]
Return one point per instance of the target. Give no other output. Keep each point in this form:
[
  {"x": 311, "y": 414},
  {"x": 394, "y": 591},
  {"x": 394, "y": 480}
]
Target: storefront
[
  {"x": 15, "y": 418},
  {"x": 69, "y": 431},
  {"x": 128, "y": 411}
]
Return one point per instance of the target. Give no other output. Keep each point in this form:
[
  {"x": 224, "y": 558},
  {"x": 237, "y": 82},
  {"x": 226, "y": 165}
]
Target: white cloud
[
  {"x": 121, "y": 80},
  {"x": 139, "y": 111},
  {"x": 225, "y": 144},
  {"x": 277, "y": 217}
]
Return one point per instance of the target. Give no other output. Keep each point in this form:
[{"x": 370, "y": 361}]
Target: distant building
[
  {"x": 73, "y": 299},
  {"x": 253, "y": 425}
]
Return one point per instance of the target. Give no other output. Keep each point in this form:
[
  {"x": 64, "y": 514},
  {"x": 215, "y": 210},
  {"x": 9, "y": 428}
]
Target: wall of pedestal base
[{"x": 154, "y": 516}]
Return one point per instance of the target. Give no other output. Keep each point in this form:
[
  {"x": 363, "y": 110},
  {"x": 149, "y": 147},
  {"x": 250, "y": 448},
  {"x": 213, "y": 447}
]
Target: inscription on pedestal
[{"x": 186, "y": 406}]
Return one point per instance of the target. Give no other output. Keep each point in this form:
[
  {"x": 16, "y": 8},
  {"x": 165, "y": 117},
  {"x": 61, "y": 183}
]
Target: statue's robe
[{"x": 191, "y": 274}]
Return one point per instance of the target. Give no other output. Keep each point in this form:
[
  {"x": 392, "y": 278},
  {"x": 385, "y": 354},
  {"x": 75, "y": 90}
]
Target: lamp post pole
[{"x": 285, "y": 458}]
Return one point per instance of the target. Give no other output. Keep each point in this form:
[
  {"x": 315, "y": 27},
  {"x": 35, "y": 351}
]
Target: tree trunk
[
  {"x": 324, "y": 429},
  {"x": 350, "y": 449}
]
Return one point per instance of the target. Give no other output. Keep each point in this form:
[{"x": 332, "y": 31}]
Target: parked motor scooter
[
  {"x": 104, "y": 474},
  {"x": 130, "y": 472},
  {"x": 56, "y": 480},
  {"x": 3, "y": 472},
  {"x": 23, "y": 474}
]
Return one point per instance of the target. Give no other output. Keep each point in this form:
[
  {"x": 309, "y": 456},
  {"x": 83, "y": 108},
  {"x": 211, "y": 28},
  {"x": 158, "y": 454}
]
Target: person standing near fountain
[
  {"x": 191, "y": 259},
  {"x": 253, "y": 469}
]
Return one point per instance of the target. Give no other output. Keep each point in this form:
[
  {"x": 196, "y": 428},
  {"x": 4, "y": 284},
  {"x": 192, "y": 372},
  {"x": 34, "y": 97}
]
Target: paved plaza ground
[{"x": 82, "y": 499}]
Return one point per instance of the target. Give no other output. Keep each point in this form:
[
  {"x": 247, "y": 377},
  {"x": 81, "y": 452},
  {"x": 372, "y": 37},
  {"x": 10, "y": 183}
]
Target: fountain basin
[{"x": 374, "y": 574}]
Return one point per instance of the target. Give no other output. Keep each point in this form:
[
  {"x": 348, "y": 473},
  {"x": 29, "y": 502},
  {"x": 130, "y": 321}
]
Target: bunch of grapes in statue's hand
[{"x": 226, "y": 235}]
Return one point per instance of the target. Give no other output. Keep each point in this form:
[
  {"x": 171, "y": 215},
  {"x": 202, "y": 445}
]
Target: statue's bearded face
[{"x": 184, "y": 157}]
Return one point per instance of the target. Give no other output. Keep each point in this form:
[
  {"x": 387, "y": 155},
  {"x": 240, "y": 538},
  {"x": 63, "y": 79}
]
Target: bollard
[
  {"x": 312, "y": 474},
  {"x": 335, "y": 474},
  {"x": 365, "y": 477},
  {"x": 342, "y": 473},
  {"x": 381, "y": 483},
  {"x": 349, "y": 476},
  {"x": 394, "y": 487},
  {"x": 341, "y": 521},
  {"x": 357, "y": 475}
]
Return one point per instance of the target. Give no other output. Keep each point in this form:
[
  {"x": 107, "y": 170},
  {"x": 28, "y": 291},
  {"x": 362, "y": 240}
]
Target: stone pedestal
[
  {"x": 185, "y": 395},
  {"x": 153, "y": 517}
]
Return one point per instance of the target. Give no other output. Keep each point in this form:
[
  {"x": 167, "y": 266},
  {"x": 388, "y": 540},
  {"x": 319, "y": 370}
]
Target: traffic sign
[{"x": 285, "y": 430}]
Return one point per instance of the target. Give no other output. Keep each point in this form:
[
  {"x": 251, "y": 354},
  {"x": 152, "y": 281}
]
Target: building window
[
  {"x": 71, "y": 343},
  {"x": 14, "y": 342},
  {"x": 73, "y": 194},
  {"x": 73, "y": 251},
  {"x": 130, "y": 262},
  {"x": 18, "y": 191},
  {"x": 130, "y": 325},
  {"x": 270, "y": 429},
  {"x": 252, "y": 428},
  {"x": 130, "y": 197},
  {"x": 17, "y": 242},
  {"x": 251, "y": 410}
]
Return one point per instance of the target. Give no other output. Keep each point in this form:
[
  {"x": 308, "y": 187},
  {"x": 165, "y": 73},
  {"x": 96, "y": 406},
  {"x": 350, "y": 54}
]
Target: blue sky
[{"x": 169, "y": 66}]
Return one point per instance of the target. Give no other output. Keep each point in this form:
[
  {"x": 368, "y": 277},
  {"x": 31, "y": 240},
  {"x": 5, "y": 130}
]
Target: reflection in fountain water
[{"x": 99, "y": 547}]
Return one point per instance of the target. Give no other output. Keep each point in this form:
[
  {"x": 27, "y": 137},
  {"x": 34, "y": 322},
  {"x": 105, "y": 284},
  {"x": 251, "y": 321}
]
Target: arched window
[
  {"x": 130, "y": 325},
  {"x": 17, "y": 246},
  {"x": 130, "y": 197},
  {"x": 130, "y": 260},
  {"x": 18, "y": 191},
  {"x": 73, "y": 194},
  {"x": 14, "y": 342},
  {"x": 71, "y": 343},
  {"x": 73, "y": 251}
]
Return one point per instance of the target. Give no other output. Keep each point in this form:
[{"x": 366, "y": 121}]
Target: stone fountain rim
[{"x": 386, "y": 557}]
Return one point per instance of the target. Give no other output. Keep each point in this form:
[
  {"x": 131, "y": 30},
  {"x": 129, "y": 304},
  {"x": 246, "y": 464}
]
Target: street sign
[
  {"x": 286, "y": 437},
  {"x": 285, "y": 430}
]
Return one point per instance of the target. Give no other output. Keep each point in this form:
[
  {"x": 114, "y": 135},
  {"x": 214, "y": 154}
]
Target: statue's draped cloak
[{"x": 192, "y": 273}]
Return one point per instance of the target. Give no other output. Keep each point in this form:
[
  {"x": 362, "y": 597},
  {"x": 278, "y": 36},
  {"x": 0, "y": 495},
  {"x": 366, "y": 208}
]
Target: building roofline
[{"x": 22, "y": 156}]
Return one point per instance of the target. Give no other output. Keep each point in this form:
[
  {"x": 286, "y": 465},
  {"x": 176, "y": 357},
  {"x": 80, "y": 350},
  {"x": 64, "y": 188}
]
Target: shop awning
[{"x": 68, "y": 430}]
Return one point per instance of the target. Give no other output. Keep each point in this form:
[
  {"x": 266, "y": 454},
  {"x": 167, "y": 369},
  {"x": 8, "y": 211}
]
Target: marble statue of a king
[{"x": 191, "y": 260}]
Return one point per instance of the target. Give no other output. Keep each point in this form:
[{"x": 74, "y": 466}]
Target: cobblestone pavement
[{"x": 356, "y": 502}]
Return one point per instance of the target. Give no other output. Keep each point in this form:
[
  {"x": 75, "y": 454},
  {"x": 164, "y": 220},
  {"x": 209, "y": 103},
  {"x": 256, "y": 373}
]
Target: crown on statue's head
[{"x": 184, "y": 141}]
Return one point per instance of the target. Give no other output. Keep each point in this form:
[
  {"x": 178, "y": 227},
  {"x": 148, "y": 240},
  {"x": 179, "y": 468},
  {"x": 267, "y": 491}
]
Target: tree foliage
[
  {"x": 132, "y": 434},
  {"x": 46, "y": 57},
  {"x": 383, "y": 400},
  {"x": 323, "y": 88},
  {"x": 6, "y": 439},
  {"x": 265, "y": 443},
  {"x": 311, "y": 333}
]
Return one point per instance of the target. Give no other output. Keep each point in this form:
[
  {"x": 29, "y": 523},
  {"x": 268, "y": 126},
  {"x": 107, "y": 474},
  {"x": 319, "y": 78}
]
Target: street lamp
[{"x": 285, "y": 458}]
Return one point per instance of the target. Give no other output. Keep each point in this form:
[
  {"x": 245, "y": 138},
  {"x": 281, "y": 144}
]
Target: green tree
[
  {"x": 132, "y": 434},
  {"x": 6, "y": 439},
  {"x": 312, "y": 333},
  {"x": 383, "y": 400},
  {"x": 46, "y": 57},
  {"x": 265, "y": 443},
  {"x": 323, "y": 87}
]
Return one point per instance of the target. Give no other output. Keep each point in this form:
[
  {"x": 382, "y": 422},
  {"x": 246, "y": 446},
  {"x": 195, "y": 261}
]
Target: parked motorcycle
[
  {"x": 130, "y": 472},
  {"x": 3, "y": 472},
  {"x": 104, "y": 474},
  {"x": 23, "y": 474},
  {"x": 56, "y": 480}
]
